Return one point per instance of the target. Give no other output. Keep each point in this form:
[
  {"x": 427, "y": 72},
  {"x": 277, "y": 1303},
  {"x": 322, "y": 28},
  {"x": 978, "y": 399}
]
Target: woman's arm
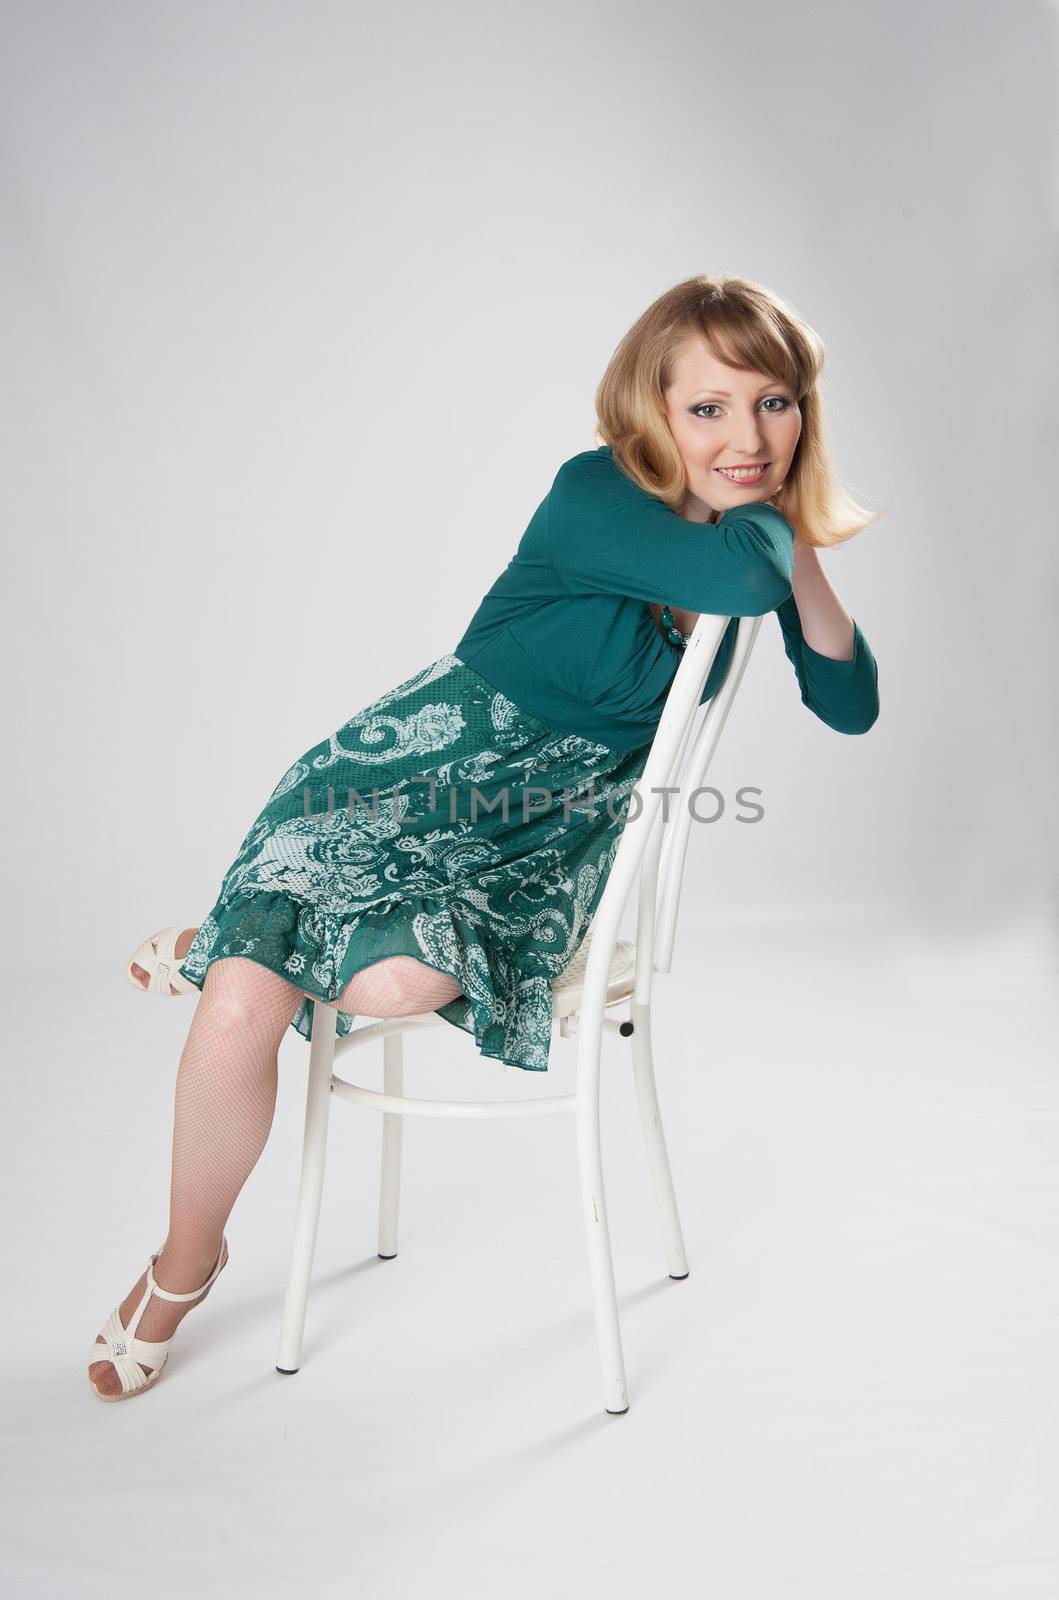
[
  {"x": 836, "y": 670},
  {"x": 606, "y": 535},
  {"x": 827, "y": 626}
]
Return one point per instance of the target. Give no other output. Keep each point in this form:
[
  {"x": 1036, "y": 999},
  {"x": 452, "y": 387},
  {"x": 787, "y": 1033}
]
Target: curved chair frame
[{"x": 604, "y": 972}]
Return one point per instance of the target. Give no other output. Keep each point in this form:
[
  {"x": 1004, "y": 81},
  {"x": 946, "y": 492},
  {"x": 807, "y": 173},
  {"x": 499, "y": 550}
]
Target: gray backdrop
[{"x": 303, "y": 306}]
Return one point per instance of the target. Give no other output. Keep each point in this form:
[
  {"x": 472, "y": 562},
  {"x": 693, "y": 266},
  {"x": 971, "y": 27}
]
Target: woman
[{"x": 447, "y": 847}]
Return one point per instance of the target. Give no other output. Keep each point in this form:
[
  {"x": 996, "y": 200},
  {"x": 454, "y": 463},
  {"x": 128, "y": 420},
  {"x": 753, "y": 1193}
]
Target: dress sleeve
[
  {"x": 844, "y": 694},
  {"x": 609, "y": 536}
]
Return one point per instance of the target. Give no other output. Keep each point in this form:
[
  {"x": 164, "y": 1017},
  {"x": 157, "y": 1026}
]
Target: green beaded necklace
[{"x": 673, "y": 633}]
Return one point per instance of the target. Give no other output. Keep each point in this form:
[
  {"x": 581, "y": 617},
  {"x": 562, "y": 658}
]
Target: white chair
[{"x": 605, "y": 971}]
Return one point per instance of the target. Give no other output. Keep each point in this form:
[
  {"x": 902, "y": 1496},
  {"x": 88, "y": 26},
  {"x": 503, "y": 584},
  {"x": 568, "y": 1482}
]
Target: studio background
[{"x": 304, "y": 306}]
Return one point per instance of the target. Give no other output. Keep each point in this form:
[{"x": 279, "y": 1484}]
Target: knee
[
  {"x": 398, "y": 977},
  {"x": 378, "y": 990},
  {"x": 242, "y": 992},
  {"x": 396, "y": 986}
]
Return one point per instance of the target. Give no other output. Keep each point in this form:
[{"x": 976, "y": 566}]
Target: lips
[{"x": 743, "y": 474}]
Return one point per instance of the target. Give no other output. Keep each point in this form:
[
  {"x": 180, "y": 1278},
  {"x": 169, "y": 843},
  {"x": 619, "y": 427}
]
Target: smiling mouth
[{"x": 739, "y": 474}]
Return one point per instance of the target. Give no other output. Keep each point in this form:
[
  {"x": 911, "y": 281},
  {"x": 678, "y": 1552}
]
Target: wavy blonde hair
[{"x": 749, "y": 327}]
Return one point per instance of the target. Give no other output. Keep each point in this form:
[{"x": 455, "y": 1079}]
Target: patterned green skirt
[{"x": 442, "y": 822}]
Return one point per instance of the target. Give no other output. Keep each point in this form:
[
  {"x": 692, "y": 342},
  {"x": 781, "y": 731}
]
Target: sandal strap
[
  {"x": 126, "y": 1355},
  {"x": 125, "y": 1349},
  {"x": 165, "y": 962},
  {"x": 167, "y": 1294},
  {"x": 167, "y": 969},
  {"x": 128, "y": 1368},
  {"x": 120, "y": 1344},
  {"x": 158, "y": 958}
]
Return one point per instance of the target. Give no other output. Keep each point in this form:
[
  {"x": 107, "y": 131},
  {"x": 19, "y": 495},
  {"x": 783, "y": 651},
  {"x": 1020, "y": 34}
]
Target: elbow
[
  {"x": 767, "y": 588},
  {"x": 846, "y": 719},
  {"x": 764, "y": 541},
  {"x": 853, "y": 724},
  {"x": 864, "y": 726}
]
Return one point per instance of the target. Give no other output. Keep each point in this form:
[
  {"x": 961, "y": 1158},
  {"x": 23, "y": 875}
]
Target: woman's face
[{"x": 723, "y": 418}]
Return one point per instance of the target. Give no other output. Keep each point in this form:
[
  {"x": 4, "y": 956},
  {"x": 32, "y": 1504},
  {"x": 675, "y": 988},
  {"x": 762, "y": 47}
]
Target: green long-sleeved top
[{"x": 565, "y": 630}]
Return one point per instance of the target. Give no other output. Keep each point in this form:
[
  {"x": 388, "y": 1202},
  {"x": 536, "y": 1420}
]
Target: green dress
[
  {"x": 391, "y": 836},
  {"x": 357, "y": 855}
]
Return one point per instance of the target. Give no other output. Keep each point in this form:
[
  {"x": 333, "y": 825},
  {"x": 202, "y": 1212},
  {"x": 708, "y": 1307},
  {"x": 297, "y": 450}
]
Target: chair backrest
[{"x": 680, "y": 755}]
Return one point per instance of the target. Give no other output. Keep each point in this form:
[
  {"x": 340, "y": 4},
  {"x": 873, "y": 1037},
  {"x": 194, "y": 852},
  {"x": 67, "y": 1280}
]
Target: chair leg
[
  {"x": 654, "y": 1138},
  {"x": 597, "y": 1233},
  {"x": 392, "y": 1127},
  {"x": 314, "y": 1153}
]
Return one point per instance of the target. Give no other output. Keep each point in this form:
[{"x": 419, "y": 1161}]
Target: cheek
[
  {"x": 696, "y": 446},
  {"x": 688, "y": 441},
  {"x": 785, "y": 436}
]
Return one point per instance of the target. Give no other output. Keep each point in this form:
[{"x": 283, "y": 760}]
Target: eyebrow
[{"x": 725, "y": 395}]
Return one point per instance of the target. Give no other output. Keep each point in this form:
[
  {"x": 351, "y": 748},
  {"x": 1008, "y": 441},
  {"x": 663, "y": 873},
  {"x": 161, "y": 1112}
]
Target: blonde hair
[{"x": 749, "y": 327}]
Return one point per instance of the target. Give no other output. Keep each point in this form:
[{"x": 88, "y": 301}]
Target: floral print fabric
[{"x": 390, "y": 838}]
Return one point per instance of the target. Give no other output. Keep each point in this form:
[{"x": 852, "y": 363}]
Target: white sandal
[
  {"x": 127, "y": 1352},
  {"x": 158, "y": 958}
]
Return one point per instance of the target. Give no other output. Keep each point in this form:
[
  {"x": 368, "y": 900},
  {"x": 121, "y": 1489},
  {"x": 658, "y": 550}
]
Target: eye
[{"x": 782, "y": 404}]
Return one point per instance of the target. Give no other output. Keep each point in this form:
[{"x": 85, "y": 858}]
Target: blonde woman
[{"x": 388, "y": 875}]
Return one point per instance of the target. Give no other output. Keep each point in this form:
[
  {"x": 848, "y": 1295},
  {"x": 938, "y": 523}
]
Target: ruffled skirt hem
[{"x": 505, "y": 1008}]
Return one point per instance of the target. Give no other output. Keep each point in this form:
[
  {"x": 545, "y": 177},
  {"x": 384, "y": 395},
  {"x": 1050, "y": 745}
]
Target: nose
[{"x": 746, "y": 437}]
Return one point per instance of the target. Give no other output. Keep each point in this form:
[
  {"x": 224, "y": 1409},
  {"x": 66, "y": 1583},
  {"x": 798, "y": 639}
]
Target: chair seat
[{"x": 568, "y": 986}]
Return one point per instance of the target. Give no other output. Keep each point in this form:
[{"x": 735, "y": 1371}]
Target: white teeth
[{"x": 740, "y": 472}]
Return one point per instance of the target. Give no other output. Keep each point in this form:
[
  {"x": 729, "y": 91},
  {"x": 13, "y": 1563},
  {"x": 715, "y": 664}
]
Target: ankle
[{"x": 182, "y": 1269}]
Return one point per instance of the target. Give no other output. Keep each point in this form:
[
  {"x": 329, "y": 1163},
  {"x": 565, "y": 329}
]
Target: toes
[
  {"x": 103, "y": 1375},
  {"x": 140, "y": 976},
  {"x": 104, "y": 1378}
]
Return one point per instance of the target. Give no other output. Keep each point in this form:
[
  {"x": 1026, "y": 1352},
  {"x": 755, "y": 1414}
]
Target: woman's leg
[
  {"x": 225, "y": 1102},
  {"x": 399, "y": 982},
  {"x": 396, "y": 986}
]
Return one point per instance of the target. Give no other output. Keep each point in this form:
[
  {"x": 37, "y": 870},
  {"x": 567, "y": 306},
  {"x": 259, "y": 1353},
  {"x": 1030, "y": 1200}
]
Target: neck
[{"x": 696, "y": 510}]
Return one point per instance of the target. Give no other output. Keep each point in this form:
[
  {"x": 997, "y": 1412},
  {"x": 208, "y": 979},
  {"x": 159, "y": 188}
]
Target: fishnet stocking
[
  {"x": 224, "y": 1105},
  {"x": 397, "y": 986},
  {"x": 225, "y": 1102}
]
